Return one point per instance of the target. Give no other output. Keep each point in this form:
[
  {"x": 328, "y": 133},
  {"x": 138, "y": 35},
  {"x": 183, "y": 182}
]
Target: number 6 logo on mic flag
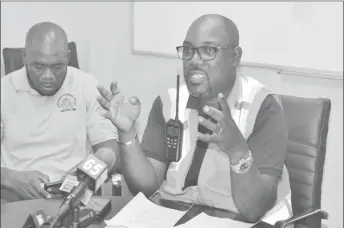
[
  {"x": 95, "y": 169},
  {"x": 92, "y": 167}
]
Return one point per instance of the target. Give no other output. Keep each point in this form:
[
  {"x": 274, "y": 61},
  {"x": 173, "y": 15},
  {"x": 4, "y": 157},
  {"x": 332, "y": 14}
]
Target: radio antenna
[{"x": 177, "y": 99}]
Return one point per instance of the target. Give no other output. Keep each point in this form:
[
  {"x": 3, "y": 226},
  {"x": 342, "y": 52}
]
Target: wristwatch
[{"x": 244, "y": 164}]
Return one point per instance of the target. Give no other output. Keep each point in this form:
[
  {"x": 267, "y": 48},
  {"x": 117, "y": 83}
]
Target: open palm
[{"x": 122, "y": 111}]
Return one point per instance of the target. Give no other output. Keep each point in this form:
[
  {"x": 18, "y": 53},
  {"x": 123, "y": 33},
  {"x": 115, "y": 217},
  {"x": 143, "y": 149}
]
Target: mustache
[{"x": 196, "y": 71}]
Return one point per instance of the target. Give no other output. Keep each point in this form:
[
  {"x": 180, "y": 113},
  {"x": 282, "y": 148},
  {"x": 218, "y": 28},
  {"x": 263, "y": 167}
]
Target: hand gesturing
[{"x": 122, "y": 111}]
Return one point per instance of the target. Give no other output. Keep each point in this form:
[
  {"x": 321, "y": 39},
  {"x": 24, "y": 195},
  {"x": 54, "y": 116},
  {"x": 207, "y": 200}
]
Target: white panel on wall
[{"x": 307, "y": 35}]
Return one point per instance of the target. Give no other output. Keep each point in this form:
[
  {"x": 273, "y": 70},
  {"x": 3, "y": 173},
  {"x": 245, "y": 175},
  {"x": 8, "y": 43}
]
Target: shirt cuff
[
  {"x": 155, "y": 156},
  {"x": 103, "y": 137}
]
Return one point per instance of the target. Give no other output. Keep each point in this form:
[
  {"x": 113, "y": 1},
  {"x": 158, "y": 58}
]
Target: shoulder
[
  {"x": 271, "y": 103},
  {"x": 5, "y": 82},
  {"x": 156, "y": 114},
  {"x": 271, "y": 117},
  {"x": 82, "y": 78},
  {"x": 8, "y": 81}
]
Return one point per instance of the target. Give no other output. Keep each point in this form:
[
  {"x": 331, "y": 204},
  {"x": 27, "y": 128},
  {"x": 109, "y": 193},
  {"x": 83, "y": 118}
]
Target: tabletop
[{"x": 15, "y": 214}]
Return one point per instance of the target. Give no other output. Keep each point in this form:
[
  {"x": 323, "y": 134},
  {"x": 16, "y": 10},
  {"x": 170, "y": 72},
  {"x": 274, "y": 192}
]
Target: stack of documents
[{"x": 140, "y": 212}]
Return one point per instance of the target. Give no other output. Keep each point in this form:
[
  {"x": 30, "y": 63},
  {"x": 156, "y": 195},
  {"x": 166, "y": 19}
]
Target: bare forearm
[
  {"x": 111, "y": 158},
  {"x": 108, "y": 152},
  {"x": 251, "y": 194},
  {"x": 137, "y": 170}
]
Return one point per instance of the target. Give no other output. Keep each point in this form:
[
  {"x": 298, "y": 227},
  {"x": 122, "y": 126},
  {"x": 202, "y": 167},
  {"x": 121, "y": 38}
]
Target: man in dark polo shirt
[{"x": 235, "y": 136}]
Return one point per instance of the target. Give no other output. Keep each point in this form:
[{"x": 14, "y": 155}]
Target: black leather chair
[
  {"x": 308, "y": 120},
  {"x": 13, "y": 58}
]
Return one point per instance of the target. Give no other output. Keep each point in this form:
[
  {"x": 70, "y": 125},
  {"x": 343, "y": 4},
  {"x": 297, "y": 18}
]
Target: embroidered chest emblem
[{"x": 66, "y": 102}]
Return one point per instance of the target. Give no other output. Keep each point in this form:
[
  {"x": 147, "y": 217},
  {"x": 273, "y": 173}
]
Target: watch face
[{"x": 244, "y": 166}]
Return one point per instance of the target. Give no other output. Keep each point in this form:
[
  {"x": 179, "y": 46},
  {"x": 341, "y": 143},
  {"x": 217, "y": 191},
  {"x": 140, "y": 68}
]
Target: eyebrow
[{"x": 203, "y": 44}]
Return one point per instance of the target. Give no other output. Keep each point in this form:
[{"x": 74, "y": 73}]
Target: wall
[
  {"x": 18, "y": 17},
  {"x": 109, "y": 58},
  {"x": 291, "y": 27}
]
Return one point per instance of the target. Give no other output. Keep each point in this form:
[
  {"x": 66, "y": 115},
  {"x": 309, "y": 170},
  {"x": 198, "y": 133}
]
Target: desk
[{"x": 14, "y": 215}]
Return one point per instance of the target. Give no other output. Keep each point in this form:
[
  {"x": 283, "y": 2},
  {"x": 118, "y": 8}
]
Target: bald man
[
  {"x": 49, "y": 112},
  {"x": 234, "y": 132}
]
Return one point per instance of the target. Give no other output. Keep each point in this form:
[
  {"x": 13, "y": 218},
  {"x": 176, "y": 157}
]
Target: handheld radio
[{"x": 174, "y": 134}]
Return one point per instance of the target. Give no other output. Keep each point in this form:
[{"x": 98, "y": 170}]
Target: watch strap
[{"x": 244, "y": 164}]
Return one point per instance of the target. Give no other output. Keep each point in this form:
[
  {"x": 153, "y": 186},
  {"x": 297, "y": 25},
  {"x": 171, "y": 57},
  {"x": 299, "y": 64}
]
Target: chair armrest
[{"x": 295, "y": 218}]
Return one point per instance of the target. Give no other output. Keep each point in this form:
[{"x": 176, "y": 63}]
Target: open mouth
[{"x": 197, "y": 77}]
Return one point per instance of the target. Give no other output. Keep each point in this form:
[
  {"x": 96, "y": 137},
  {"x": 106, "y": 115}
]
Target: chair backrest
[
  {"x": 308, "y": 120},
  {"x": 13, "y": 58}
]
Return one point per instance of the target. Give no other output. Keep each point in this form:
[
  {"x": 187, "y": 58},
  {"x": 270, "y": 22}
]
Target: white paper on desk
[
  {"x": 277, "y": 215},
  {"x": 205, "y": 221},
  {"x": 140, "y": 212},
  {"x": 279, "y": 212}
]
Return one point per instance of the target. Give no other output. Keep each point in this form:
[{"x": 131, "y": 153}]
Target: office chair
[
  {"x": 13, "y": 58},
  {"x": 308, "y": 120}
]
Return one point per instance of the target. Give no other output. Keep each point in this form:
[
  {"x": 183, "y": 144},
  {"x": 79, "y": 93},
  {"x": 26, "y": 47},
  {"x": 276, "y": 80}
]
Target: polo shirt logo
[{"x": 66, "y": 102}]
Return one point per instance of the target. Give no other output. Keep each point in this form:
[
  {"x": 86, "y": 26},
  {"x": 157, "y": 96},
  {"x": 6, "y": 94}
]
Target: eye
[
  {"x": 38, "y": 66},
  {"x": 187, "y": 50},
  {"x": 210, "y": 50},
  {"x": 58, "y": 67}
]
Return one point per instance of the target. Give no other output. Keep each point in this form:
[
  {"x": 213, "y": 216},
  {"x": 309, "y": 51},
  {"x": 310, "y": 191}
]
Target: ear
[
  {"x": 237, "y": 52},
  {"x": 68, "y": 56},
  {"x": 24, "y": 56}
]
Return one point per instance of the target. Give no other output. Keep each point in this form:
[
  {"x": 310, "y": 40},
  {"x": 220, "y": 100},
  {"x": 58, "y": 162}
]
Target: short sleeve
[
  {"x": 153, "y": 140},
  {"x": 269, "y": 138},
  {"x": 99, "y": 129}
]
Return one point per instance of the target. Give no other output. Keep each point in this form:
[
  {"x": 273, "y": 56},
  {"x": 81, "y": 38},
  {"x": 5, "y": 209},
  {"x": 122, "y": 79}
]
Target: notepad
[{"x": 140, "y": 212}]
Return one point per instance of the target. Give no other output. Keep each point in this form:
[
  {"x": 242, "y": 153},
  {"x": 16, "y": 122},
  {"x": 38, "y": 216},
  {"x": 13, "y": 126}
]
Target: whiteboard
[{"x": 303, "y": 35}]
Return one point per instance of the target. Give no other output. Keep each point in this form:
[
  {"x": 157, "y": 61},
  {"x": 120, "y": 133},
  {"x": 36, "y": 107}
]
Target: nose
[
  {"x": 196, "y": 58},
  {"x": 48, "y": 74}
]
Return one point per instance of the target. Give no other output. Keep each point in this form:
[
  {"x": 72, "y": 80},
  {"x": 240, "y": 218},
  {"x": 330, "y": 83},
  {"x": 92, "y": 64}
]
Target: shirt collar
[
  {"x": 22, "y": 84},
  {"x": 234, "y": 99}
]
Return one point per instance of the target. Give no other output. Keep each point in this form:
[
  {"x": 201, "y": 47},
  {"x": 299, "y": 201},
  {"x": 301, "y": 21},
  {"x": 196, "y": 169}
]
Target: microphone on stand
[
  {"x": 37, "y": 219},
  {"x": 91, "y": 174}
]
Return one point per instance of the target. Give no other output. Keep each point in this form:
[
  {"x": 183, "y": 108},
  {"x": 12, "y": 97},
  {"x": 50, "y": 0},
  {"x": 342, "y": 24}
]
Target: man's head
[
  {"x": 46, "y": 57},
  {"x": 206, "y": 75}
]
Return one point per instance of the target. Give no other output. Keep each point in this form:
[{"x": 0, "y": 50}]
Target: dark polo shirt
[{"x": 267, "y": 142}]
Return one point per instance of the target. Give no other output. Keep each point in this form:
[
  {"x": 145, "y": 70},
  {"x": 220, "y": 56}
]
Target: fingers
[
  {"x": 38, "y": 186},
  {"x": 206, "y": 137},
  {"x": 134, "y": 100},
  {"x": 35, "y": 190},
  {"x": 103, "y": 103},
  {"x": 29, "y": 194},
  {"x": 42, "y": 177},
  {"x": 213, "y": 113},
  {"x": 114, "y": 88},
  {"x": 224, "y": 105},
  {"x": 105, "y": 93},
  {"x": 208, "y": 124},
  {"x": 106, "y": 114},
  {"x": 40, "y": 189}
]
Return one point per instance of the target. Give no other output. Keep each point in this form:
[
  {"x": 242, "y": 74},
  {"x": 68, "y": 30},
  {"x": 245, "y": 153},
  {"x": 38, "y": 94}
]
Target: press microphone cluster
[{"x": 91, "y": 174}]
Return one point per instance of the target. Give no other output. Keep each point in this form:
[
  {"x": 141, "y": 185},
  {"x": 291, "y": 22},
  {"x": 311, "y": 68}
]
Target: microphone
[
  {"x": 91, "y": 174},
  {"x": 37, "y": 219}
]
